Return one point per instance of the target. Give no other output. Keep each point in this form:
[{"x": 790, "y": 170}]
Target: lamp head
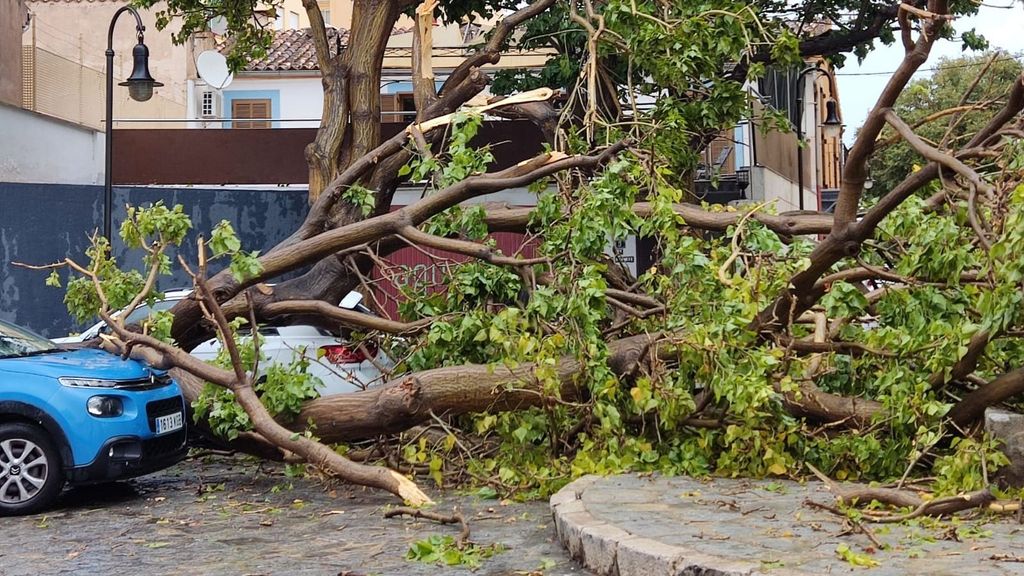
[
  {"x": 141, "y": 83},
  {"x": 832, "y": 127}
]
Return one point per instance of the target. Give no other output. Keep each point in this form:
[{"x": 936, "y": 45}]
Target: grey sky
[{"x": 1000, "y": 21}]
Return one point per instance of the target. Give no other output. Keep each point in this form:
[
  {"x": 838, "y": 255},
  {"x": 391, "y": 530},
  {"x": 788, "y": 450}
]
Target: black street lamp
[
  {"x": 832, "y": 127},
  {"x": 140, "y": 88}
]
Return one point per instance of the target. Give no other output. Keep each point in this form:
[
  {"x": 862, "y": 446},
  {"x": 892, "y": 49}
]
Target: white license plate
[{"x": 169, "y": 423}]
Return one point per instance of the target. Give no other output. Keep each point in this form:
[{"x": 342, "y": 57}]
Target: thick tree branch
[
  {"x": 967, "y": 363},
  {"x": 263, "y": 423},
  {"x": 855, "y": 172},
  {"x": 847, "y": 235},
  {"x": 416, "y": 398},
  {"x": 372, "y": 23},
  {"x": 934, "y": 154},
  {"x": 318, "y": 29},
  {"x": 972, "y": 407},
  {"x": 504, "y": 219},
  {"x": 346, "y": 317}
]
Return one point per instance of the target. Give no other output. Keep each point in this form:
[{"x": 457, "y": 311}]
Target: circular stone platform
[{"x": 654, "y": 525}]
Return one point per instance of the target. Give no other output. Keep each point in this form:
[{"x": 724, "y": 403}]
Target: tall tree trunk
[
  {"x": 372, "y": 23},
  {"x": 322, "y": 153},
  {"x": 350, "y": 122}
]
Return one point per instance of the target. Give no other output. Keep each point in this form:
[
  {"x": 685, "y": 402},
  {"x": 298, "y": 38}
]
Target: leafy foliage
[
  {"x": 282, "y": 388},
  {"x": 641, "y": 422},
  {"x": 853, "y": 558},
  {"x": 224, "y": 242},
  {"x": 714, "y": 396},
  {"x": 443, "y": 551}
]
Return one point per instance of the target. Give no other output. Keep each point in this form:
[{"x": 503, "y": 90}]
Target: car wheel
[{"x": 30, "y": 469}]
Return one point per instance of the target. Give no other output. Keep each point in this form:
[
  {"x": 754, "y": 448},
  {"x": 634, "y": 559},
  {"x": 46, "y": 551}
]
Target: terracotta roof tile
[{"x": 294, "y": 50}]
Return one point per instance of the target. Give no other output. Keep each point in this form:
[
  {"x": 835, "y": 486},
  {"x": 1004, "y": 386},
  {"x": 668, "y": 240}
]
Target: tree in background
[{"x": 946, "y": 108}]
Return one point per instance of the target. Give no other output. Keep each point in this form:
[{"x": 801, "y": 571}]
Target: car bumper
[{"x": 124, "y": 457}]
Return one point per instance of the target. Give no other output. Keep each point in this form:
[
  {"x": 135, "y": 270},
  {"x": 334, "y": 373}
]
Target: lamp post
[
  {"x": 832, "y": 126},
  {"x": 140, "y": 88}
]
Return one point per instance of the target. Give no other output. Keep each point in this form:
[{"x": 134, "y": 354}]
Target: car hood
[{"x": 83, "y": 363}]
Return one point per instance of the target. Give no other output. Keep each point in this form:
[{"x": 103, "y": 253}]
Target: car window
[
  {"x": 15, "y": 341},
  {"x": 143, "y": 312}
]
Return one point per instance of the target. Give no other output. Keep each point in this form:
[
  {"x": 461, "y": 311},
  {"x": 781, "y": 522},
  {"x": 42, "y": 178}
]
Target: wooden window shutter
[
  {"x": 255, "y": 109},
  {"x": 390, "y": 103}
]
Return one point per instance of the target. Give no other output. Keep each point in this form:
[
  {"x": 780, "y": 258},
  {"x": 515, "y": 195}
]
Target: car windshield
[{"x": 15, "y": 341}]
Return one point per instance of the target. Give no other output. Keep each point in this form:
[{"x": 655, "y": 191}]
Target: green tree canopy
[{"x": 948, "y": 107}]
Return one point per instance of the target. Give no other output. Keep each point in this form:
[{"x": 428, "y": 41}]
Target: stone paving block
[
  {"x": 1009, "y": 428},
  {"x": 738, "y": 527},
  {"x": 638, "y": 556},
  {"x": 574, "y": 507},
  {"x": 570, "y": 531},
  {"x": 600, "y": 544}
]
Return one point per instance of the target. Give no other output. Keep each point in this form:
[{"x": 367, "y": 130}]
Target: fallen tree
[{"x": 747, "y": 348}]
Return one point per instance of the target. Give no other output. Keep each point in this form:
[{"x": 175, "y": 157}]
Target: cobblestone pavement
[
  {"x": 631, "y": 525},
  {"x": 231, "y": 516}
]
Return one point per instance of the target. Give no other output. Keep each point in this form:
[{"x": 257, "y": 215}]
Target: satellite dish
[
  {"x": 218, "y": 25},
  {"x": 212, "y": 67}
]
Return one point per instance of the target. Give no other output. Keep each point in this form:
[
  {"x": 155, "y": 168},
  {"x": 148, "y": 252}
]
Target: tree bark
[
  {"x": 322, "y": 153},
  {"x": 453, "y": 390}
]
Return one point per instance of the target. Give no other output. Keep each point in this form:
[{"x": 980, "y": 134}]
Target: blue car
[{"x": 79, "y": 416}]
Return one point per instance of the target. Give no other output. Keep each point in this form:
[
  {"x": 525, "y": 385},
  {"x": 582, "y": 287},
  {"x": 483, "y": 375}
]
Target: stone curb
[{"x": 611, "y": 551}]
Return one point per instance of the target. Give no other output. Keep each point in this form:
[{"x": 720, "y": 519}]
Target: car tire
[{"x": 30, "y": 469}]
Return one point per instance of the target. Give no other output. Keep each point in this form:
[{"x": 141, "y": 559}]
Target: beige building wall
[
  {"x": 12, "y": 14},
  {"x": 291, "y": 15},
  {"x": 775, "y": 177},
  {"x": 450, "y": 50},
  {"x": 70, "y": 39}
]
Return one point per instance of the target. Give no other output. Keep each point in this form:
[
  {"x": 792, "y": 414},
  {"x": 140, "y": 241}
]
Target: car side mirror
[{"x": 351, "y": 300}]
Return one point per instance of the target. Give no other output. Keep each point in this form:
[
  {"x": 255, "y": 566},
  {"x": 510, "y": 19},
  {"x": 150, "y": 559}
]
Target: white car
[{"x": 341, "y": 366}]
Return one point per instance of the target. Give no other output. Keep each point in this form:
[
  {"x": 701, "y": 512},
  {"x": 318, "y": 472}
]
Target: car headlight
[
  {"x": 88, "y": 382},
  {"x": 105, "y": 406}
]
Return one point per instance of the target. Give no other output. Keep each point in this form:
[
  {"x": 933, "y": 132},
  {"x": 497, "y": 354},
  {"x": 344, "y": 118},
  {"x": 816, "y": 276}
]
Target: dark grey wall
[{"x": 44, "y": 223}]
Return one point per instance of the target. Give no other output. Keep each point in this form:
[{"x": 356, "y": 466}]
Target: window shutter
[
  {"x": 390, "y": 103},
  {"x": 246, "y": 109}
]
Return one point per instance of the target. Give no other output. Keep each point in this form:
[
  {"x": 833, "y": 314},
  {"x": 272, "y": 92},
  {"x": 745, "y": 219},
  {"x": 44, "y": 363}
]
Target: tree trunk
[
  {"x": 372, "y": 23},
  {"x": 453, "y": 390},
  {"x": 323, "y": 152}
]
